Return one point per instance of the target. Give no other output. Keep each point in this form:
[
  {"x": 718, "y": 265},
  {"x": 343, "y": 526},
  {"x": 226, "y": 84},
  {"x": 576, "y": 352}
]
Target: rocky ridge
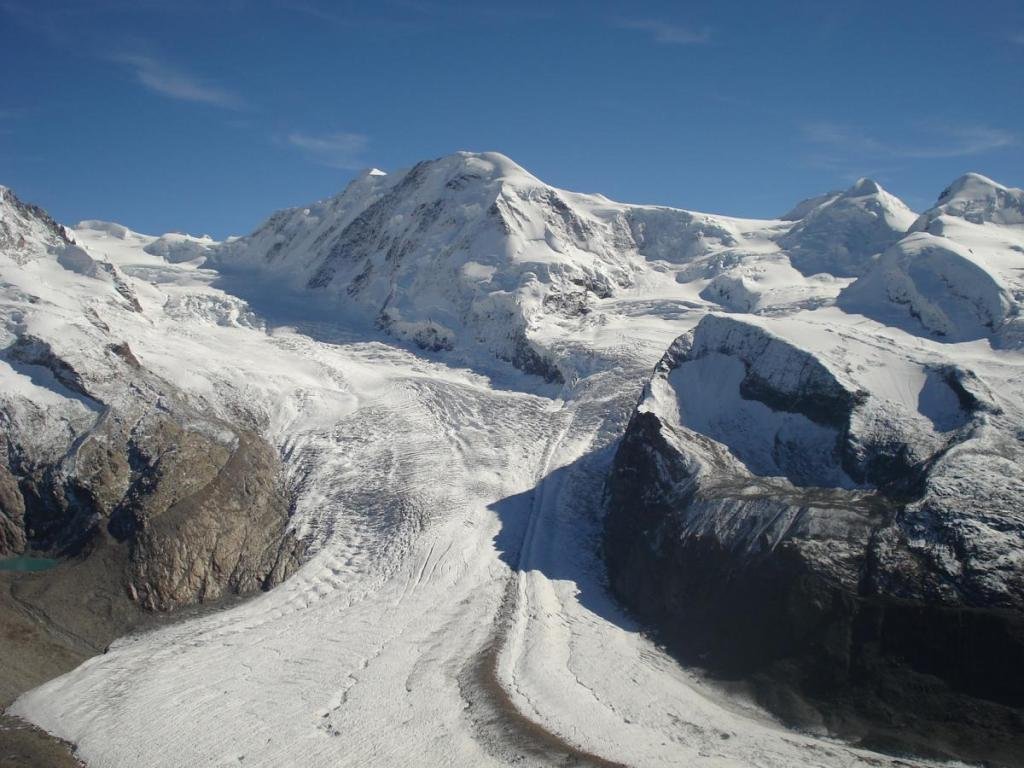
[
  {"x": 113, "y": 456},
  {"x": 833, "y": 511}
]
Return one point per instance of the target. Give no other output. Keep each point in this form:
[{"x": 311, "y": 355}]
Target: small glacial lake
[{"x": 26, "y": 563}]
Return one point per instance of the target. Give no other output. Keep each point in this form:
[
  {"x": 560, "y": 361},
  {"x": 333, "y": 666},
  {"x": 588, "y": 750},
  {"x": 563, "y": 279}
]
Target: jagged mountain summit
[{"x": 425, "y": 390}]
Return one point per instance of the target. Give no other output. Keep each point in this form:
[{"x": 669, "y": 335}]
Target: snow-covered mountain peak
[
  {"x": 480, "y": 176},
  {"x": 977, "y": 199},
  {"x": 491, "y": 165},
  {"x": 839, "y": 233},
  {"x": 466, "y": 245},
  {"x": 970, "y": 186},
  {"x": 863, "y": 186},
  {"x": 26, "y": 230},
  {"x": 877, "y": 199}
]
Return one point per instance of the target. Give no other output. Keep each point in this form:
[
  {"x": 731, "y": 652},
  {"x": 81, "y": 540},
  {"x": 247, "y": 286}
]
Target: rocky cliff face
[
  {"x": 781, "y": 514},
  {"x": 100, "y": 453}
]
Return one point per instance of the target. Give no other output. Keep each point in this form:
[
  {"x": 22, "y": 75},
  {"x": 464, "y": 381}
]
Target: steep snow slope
[
  {"x": 944, "y": 287},
  {"x": 453, "y": 609}
]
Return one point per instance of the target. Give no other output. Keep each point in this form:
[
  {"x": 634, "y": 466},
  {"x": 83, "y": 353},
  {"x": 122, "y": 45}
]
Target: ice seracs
[{"x": 176, "y": 247}]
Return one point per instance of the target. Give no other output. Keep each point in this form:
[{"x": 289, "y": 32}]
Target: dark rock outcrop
[
  {"x": 204, "y": 519},
  {"x": 196, "y": 507},
  {"x": 890, "y": 612},
  {"x": 12, "y": 514}
]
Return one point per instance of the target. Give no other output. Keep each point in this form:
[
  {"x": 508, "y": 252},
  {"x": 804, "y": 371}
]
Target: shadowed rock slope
[{"x": 780, "y": 516}]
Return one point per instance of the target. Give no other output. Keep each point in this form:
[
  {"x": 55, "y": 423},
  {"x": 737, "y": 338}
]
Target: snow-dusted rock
[
  {"x": 102, "y": 455},
  {"x": 829, "y": 512},
  {"x": 27, "y": 231}
]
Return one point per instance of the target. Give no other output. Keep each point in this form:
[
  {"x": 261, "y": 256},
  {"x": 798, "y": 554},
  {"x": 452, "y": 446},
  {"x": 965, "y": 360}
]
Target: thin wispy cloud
[
  {"x": 665, "y": 32},
  {"x": 851, "y": 140},
  {"x": 403, "y": 17},
  {"x": 59, "y": 25},
  {"x": 935, "y": 141},
  {"x": 1017, "y": 38},
  {"x": 175, "y": 83},
  {"x": 341, "y": 149}
]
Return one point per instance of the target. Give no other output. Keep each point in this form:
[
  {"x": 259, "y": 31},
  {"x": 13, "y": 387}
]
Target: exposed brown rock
[{"x": 12, "y": 515}]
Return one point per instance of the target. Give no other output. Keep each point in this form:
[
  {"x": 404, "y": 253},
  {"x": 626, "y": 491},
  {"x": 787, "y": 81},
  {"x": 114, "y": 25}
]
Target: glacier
[{"x": 443, "y": 361}]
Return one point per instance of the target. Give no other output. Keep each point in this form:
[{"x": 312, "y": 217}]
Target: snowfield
[{"x": 444, "y": 359}]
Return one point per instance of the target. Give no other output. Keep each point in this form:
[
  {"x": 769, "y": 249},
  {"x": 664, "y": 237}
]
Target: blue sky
[{"x": 208, "y": 116}]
